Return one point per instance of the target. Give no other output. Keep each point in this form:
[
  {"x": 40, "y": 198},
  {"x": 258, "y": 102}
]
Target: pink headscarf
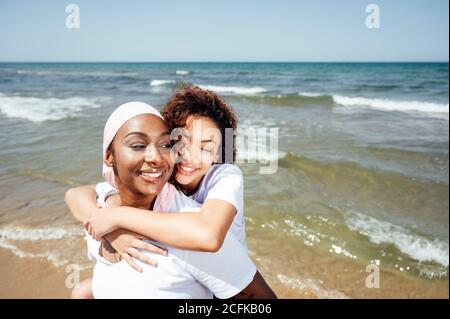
[{"x": 115, "y": 121}]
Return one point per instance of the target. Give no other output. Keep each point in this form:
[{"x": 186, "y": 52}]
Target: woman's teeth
[{"x": 151, "y": 175}]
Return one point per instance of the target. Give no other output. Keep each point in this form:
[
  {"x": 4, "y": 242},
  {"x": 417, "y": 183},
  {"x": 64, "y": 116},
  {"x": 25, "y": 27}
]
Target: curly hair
[{"x": 192, "y": 100}]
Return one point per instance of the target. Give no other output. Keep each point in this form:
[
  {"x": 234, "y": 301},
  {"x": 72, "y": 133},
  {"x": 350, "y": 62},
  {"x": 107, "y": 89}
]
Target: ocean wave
[
  {"x": 182, "y": 72},
  {"x": 21, "y": 233},
  {"x": 54, "y": 258},
  {"x": 294, "y": 100},
  {"x": 317, "y": 98},
  {"x": 233, "y": 89},
  {"x": 312, "y": 286},
  {"x": 392, "y": 105},
  {"x": 415, "y": 246},
  {"x": 311, "y": 94},
  {"x": 22, "y": 242},
  {"x": 78, "y": 73},
  {"x": 44, "y": 109},
  {"x": 161, "y": 82}
]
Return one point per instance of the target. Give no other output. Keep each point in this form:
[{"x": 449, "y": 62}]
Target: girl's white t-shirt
[
  {"x": 181, "y": 274},
  {"x": 225, "y": 182}
]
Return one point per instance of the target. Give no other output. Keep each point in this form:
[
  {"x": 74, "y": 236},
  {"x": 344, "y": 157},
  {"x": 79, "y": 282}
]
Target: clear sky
[{"x": 209, "y": 30}]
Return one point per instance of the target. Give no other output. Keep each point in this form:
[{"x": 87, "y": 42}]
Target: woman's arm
[{"x": 202, "y": 231}]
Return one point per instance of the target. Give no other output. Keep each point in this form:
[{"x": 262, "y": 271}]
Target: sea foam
[
  {"x": 37, "y": 109},
  {"x": 161, "y": 82},
  {"x": 234, "y": 89},
  {"x": 392, "y": 105},
  {"x": 416, "y": 246}
]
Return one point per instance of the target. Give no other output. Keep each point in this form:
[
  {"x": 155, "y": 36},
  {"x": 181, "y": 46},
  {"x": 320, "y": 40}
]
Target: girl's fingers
[
  {"x": 131, "y": 262},
  {"x": 149, "y": 247},
  {"x": 136, "y": 254}
]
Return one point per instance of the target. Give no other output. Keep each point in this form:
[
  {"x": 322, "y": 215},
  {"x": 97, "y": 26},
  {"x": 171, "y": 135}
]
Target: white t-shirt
[
  {"x": 181, "y": 274},
  {"x": 225, "y": 182}
]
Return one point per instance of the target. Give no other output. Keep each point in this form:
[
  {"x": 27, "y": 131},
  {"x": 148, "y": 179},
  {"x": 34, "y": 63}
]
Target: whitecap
[
  {"x": 392, "y": 105},
  {"x": 37, "y": 109}
]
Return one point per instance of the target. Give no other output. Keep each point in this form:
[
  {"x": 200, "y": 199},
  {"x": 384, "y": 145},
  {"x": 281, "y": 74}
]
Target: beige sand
[
  {"x": 39, "y": 278},
  {"x": 32, "y": 277}
]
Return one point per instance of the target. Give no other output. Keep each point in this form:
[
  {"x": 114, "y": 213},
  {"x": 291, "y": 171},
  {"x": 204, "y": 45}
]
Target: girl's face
[
  {"x": 201, "y": 150},
  {"x": 141, "y": 155}
]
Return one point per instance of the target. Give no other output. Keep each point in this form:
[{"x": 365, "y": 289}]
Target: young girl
[{"x": 219, "y": 187}]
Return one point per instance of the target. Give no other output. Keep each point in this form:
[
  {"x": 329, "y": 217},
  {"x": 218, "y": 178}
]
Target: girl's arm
[
  {"x": 202, "y": 231},
  {"x": 81, "y": 202}
]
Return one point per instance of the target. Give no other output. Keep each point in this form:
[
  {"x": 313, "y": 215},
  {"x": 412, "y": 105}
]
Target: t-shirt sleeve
[
  {"x": 226, "y": 272},
  {"x": 92, "y": 247},
  {"x": 103, "y": 191},
  {"x": 227, "y": 184}
]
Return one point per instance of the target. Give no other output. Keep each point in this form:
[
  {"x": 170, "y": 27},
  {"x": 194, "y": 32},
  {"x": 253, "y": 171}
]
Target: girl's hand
[
  {"x": 127, "y": 245},
  {"x": 101, "y": 223}
]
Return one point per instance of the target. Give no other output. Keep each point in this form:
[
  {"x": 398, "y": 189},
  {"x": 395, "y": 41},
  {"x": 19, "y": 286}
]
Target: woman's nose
[{"x": 152, "y": 155}]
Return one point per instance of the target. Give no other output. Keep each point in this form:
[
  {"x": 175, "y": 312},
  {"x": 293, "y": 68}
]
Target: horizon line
[{"x": 223, "y": 61}]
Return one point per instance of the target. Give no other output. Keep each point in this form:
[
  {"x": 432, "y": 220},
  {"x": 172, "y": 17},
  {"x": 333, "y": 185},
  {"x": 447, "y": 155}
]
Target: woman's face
[
  {"x": 141, "y": 155},
  {"x": 201, "y": 151}
]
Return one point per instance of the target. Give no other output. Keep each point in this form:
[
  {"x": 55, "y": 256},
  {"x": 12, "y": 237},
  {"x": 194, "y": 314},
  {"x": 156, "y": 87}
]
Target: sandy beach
[
  {"x": 38, "y": 278},
  {"x": 35, "y": 278}
]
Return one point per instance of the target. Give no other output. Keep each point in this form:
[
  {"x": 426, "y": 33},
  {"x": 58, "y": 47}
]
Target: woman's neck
[{"x": 128, "y": 198}]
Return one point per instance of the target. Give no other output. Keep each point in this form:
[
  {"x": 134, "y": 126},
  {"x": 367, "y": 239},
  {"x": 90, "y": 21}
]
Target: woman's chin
[{"x": 154, "y": 187}]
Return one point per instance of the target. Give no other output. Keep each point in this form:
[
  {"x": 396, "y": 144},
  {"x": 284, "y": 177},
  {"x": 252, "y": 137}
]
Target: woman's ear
[{"x": 109, "y": 158}]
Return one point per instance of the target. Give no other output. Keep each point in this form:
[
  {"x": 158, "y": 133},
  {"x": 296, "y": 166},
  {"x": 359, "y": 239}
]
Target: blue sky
[{"x": 208, "y": 30}]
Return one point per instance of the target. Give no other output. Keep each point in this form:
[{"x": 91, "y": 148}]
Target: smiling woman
[{"x": 141, "y": 160}]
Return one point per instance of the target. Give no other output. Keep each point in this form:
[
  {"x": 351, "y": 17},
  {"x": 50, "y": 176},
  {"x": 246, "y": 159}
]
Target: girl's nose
[{"x": 190, "y": 156}]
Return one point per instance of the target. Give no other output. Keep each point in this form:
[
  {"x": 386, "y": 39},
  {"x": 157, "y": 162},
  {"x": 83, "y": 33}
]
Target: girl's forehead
[{"x": 204, "y": 122}]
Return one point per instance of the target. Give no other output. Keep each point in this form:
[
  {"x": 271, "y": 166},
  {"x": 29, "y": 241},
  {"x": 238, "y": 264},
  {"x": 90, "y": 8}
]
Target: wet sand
[
  {"x": 298, "y": 272},
  {"x": 30, "y": 278}
]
